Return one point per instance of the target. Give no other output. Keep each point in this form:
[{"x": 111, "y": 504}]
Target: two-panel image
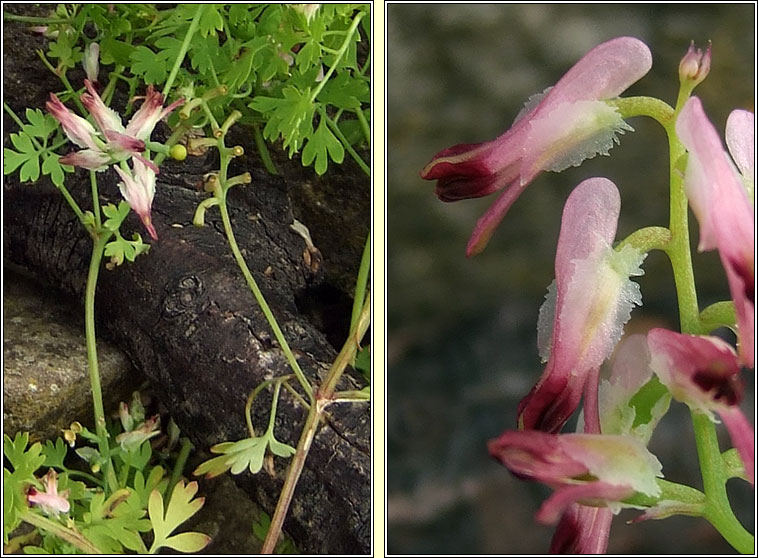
[{"x": 244, "y": 314}]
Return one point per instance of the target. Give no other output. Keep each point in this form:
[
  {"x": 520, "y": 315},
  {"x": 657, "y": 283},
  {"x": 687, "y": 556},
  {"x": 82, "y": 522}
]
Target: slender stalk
[
  {"x": 323, "y": 399},
  {"x": 263, "y": 151},
  {"x": 33, "y": 19},
  {"x": 718, "y": 510},
  {"x": 347, "y": 354},
  {"x": 176, "y": 473},
  {"x": 260, "y": 298},
  {"x": 183, "y": 49},
  {"x": 68, "y": 535},
  {"x": 290, "y": 482},
  {"x": 95, "y": 198},
  {"x": 364, "y": 125},
  {"x": 94, "y": 374},
  {"x": 361, "y": 282},
  {"x": 339, "y": 55},
  {"x": 349, "y": 148}
]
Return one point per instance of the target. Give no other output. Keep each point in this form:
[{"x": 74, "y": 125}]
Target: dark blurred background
[{"x": 461, "y": 333}]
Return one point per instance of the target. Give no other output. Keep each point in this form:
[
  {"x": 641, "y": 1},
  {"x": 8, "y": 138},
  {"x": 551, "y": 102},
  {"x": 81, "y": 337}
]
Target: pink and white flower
[
  {"x": 717, "y": 194},
  {"x": 589, "y": 469},
  {"x": 558, "y": 129},
  {"x": 704, "y": 373},
  {"x": 113, "y": 143},
  {"x": 587, "y": 305},
  {"x": 49, "y": 501},
  {"x": 138, "y": 189}
]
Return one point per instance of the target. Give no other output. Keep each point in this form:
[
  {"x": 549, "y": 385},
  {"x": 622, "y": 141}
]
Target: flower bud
[
  {"x": 92, "y": 62},
  {"x": 695, "y": 65}
]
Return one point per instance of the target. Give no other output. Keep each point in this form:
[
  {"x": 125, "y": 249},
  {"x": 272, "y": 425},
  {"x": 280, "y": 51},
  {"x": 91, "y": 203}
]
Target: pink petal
[
  {"x": 488, "y": 222},
  {"x": 535, "y": 455},
  {"x": 77, "y": 129},
  {"x": 138, "y": 189},
  {"x": 144, "y": 120},
  {"x": 595, "y": 492},
  {"x": 583, "y": 316},
  {"x": 603, "y": 73},
  {"x": 701, "y": 371},
  {"x": 740, "y": 138},
  {"x": 561, "y": 129},
  {"x": 124, "y": 142},
  {"x": 743, "y": 438},
  {"x": 87, "y": 159},
  {"x": 582, "y": 530},
  {"x": 107, "y": 119}
]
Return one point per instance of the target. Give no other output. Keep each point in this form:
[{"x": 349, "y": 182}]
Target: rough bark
[{"x": 185, "y": 316}]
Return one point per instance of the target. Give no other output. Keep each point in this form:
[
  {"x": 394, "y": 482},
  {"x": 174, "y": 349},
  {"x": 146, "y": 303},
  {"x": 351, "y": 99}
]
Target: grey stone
[{"x": 45, "y": 376}]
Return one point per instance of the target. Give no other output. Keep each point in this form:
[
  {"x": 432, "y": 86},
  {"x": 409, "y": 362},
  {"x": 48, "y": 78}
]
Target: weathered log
[{"x": 185, "y": 316}]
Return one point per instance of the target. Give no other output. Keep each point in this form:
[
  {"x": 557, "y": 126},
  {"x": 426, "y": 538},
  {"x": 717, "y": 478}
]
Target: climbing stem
[
  {"x": 324, "y": 397},
  {"x": 183, "y": 49},
  {"x": 718, "y": 510},
  {"x": 64, "y": 533},
  {"x": 98, "y": 248},
  {"x": 361, "y": 282},
  {"x": 253, "y": 285}
]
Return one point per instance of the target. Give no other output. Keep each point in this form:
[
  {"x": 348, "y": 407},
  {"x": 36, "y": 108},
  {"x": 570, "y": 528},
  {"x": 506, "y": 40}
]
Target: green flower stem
[
  {"x": 718, "y": 510},
  {"x": 647, "y": 239},
  {"x": 669, "y": 491},
  {"x": 34, "y": 19},
  {"x": 361, "y": 282},
  {"x": 347, "y": 355},
  {"x": 64, "y": 80},
  {"x": 323, "y": 398},
  {"x": 719, "y": 314},
  {"x": 251, "y": 283},
  {"x": 183, "y": 49},
  {"x": 64, "y": 533},
  {"x": 179, "y": 464},
  {"x": 260, "y": 144},
  {"x": 98, "y": 249},
  {"x": 656, "y": 109},
  {"x": 349, "y": 148},
  {"x": 95, "y": 198},
  {"x": 253, "y": 395},
  {"x": 364, "y": 125},
  {"x": 175, "y": 136},
  {"x": 340, "y": 53}
]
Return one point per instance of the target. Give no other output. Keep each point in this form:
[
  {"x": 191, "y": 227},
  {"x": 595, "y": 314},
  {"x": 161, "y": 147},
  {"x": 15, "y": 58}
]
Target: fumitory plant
[
  {"x": 606, "y": 465},
  {"x": 296, "y": 74}
]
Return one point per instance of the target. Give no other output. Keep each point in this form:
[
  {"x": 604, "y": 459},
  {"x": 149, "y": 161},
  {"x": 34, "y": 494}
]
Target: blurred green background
[{"x": 461, "y": 333}]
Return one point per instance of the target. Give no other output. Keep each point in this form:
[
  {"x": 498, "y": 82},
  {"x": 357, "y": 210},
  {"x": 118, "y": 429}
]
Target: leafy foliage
[
  {"x": 243, "y": 454},
  {"x": 271, "y": 57},
  {"x": 31, "y": 144},
  {"x": 180, "y": 508},
  {"x": 113, "y": 522}
]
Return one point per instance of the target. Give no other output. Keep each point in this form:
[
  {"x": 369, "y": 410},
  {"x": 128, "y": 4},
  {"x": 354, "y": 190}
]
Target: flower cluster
[
  {"x": 606, "y": 465},
  {"x": 112, "y": 143}
]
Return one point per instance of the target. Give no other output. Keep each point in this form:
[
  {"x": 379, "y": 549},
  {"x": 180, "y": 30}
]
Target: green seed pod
[{"x": 178, "y": 152}]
